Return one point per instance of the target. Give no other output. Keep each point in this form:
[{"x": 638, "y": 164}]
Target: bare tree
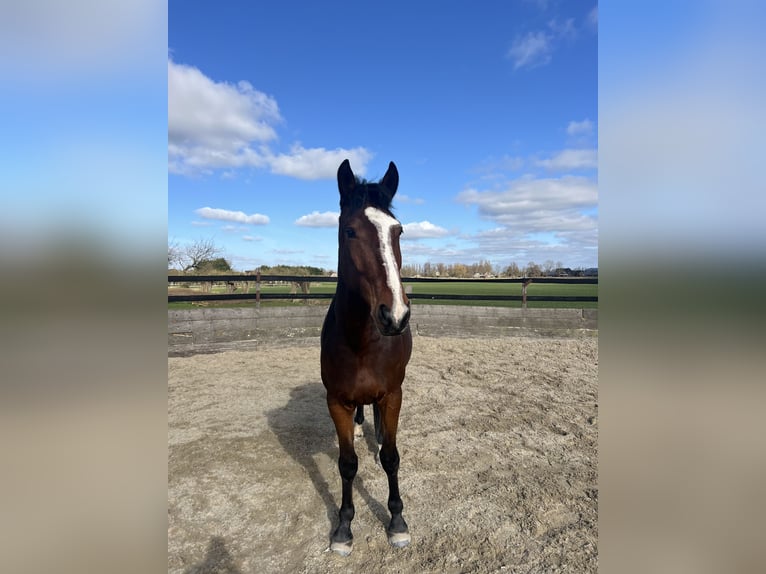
[
  {"x": 533, "y": 269},
  {"x": 197, "y": 253},
  {"x": 410, "y": 270},
  {"x": 513, "y": 270},
  {"x": 174, "y": 254},
  {"x": 459, "y": 270}
]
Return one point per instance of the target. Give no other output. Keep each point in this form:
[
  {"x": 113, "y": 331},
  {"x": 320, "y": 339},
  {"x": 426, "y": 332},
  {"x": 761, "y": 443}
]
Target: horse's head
[{"x": 369, "y": 257}]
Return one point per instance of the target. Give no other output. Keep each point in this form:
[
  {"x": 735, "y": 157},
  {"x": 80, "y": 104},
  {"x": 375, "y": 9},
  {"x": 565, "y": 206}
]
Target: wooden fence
[{"x": 258, "y": 279}]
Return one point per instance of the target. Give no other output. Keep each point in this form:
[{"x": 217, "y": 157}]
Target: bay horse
[{"x": 366, "y": 340}]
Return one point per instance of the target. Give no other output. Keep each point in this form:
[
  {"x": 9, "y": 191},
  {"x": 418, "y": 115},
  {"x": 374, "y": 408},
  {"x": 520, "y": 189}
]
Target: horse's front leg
[
  {"x": 398, "y": 532},
  {"x": 341, "y": 540}
]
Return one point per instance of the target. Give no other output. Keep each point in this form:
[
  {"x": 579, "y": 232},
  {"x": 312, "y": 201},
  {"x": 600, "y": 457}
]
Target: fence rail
[
  {"x": 326, "y": 279},
  {"x": 258, "y": 279}
]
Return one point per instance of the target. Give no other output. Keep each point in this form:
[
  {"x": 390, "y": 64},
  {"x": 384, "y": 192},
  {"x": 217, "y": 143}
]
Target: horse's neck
[{"x": 352, "y": 312}]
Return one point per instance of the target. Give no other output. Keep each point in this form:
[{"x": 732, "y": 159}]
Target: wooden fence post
[
  {"x": 258, "y": 289},
  {"x": 524, "y": 292}
]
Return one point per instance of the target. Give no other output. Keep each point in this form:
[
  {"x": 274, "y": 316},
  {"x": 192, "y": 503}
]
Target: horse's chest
[
  {"x": 369, "y": 382},
  {"x": 360, "y": 373}
]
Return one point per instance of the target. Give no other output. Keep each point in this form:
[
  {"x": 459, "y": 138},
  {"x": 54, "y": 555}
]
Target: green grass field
[
  {"x": 446, "y": 288},
  {"x": 486, "y": 288}
]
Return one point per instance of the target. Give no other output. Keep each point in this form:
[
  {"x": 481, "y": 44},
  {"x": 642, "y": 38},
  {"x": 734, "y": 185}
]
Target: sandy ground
[{"x": 498, "y": 443}]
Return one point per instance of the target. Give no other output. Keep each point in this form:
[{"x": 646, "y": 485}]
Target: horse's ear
[
  {"x": 346, "y": 180},
  {"x": 391, "y": 179}
]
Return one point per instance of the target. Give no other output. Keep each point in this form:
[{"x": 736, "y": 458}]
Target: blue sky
[{"x": 489, "y": 113}]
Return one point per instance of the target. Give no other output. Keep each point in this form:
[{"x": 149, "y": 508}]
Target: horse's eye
[{"x": 350, "y": 233}]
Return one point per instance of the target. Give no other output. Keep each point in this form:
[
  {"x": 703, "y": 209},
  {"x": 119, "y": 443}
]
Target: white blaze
[{"x": 383, "y": 223}]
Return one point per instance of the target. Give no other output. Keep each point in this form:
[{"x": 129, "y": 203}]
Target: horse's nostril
[
  {"x": 385, "y": 315},
  {"x": 389, "y": 324}
]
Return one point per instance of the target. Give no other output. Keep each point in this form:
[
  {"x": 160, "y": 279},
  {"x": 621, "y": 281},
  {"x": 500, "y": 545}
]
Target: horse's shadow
[
  {"x": 304, "y": 429},
  {"x": 217, "y": 560}
]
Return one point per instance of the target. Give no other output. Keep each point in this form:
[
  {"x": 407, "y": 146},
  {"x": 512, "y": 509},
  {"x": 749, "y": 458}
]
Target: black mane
[{"x": 368, "y": 193}]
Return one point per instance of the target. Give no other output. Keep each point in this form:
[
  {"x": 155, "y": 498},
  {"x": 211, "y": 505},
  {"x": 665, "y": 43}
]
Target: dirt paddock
[{"x": 498, "y": 444}]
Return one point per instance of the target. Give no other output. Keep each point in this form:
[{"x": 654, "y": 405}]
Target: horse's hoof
[
  {"x": 399, "y": 539},
  {"x": 342, "y": 548}
]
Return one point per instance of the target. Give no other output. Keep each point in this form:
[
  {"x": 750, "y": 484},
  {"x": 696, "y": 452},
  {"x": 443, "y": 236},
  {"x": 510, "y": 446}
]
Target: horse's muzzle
[{"x": 388, "y": 325}]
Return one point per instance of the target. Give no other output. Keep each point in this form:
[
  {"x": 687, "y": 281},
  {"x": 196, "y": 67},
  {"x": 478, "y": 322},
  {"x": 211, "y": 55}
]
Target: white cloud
[
  {"x": 535, "y": 48},
  {"x": 316, "y": 219},
  {"x": 565, "y": 29},
  {"x": 217, "y": 113},
  {"x": 538, "y": 212},
  {"x": 212, "y": 125},
  {"x": 532, "y": 206},
  {"x": 252, "y": 238},
  {"x": 505, "y": 245},
  {"x": 219, "y": 125},
  {"x": 571, "y": 159},
  {"x": 532, "y": 219},
  {"x": 592, "y": 18},
  {"x": 584, "y": 127},
  {"x": 422, "y": 230},
  {"x": 318, "y": 163},
  {"x": 531, "y": 50},
  {"x": 235, "y": 216}
]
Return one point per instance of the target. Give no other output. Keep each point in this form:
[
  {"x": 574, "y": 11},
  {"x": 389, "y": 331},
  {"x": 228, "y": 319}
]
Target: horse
[{"x": 366, "y": 341}]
